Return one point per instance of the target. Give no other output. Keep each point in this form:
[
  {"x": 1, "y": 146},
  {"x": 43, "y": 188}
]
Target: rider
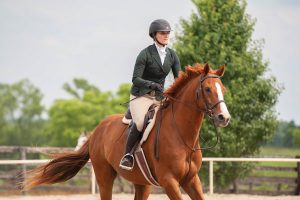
[{"x": 152, "y": 66}]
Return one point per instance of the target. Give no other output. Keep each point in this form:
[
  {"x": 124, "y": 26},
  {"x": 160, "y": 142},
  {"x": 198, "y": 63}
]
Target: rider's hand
[{"x": 156, "y": 87}]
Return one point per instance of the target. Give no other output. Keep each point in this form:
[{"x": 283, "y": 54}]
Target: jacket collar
[
  {"x": 158, "y": 48},
  {"x": 155, "y": 55}
]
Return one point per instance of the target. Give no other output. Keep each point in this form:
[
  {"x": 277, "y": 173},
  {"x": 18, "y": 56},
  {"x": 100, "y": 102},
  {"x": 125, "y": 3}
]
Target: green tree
[
  {"x": 286, "y": 135},
  {"x": 87, "y": 107},
  {"x": 296, "y": 137},
  {"x": 219, "y": 32},
  {"x": 21, "y": 112}
]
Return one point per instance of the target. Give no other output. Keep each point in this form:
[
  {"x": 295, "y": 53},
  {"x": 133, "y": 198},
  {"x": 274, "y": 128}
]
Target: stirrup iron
[{"x": 126, "y": 167}]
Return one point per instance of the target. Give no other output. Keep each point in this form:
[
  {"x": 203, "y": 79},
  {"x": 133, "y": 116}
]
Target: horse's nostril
[{"x": 221, "y": 117}]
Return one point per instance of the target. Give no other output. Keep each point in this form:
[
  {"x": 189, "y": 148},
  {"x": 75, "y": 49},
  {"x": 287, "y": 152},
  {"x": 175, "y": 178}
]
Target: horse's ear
[
  {"x": 206, "y": 69},
  {"x": 221, "y": 71}
]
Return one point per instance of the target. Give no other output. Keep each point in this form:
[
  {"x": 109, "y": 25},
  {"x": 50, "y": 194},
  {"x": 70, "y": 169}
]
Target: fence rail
[{"x": 210, "y": 160}]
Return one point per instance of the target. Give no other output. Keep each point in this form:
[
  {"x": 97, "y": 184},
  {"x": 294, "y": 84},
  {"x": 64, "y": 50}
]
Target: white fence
[{"x": 210, "y": 160}]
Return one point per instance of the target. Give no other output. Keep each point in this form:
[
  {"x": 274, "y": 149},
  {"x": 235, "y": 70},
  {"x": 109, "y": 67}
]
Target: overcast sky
[{"x": 52, "y": 42}]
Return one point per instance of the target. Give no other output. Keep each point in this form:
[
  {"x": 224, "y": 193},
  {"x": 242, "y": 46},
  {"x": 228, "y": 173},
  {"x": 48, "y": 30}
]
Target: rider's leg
[
  {"x": 138, "y": 107},
  {"x": 133, "y": 137}
]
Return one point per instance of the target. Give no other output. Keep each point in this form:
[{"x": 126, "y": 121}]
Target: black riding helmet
[{"x": 159, "y": 25}]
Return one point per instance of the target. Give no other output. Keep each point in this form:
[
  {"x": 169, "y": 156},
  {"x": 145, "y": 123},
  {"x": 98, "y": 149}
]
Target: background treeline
[
  {"x": 25, "y": 121},
  {"x": 286, "y": 135}
]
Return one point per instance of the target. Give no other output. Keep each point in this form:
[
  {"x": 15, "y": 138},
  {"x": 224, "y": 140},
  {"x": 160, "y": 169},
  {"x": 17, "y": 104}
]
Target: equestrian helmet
[{"x": 159, "y": 25}]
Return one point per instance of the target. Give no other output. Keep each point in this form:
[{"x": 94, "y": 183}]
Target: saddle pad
[{"x": 148, "y": 128}]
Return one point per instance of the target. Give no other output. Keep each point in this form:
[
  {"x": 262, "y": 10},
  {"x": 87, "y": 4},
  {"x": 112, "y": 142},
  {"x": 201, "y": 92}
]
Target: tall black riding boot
[{"x": 134, "y": 136}]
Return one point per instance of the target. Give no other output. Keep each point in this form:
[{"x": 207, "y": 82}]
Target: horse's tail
[{"x": 62, "y": 168}]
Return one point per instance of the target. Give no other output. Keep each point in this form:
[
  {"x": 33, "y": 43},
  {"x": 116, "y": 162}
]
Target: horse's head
[
  {"x": 210, "y": 92},
  {"x": 204, "y": 83}
]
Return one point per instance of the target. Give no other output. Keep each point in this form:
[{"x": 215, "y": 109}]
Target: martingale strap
[{"x": 144, "y": 167}]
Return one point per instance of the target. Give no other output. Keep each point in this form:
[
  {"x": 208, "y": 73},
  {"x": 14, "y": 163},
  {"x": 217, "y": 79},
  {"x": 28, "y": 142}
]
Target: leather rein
[{"x": 208, "y": 110}]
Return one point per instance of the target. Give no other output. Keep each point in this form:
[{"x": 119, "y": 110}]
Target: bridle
[
  {"x": 207, "y": 110},
  {"x": 200, "y": 91}
]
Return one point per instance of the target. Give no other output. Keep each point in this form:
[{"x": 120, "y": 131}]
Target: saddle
[
  {"x": 137, "y": 150},
  {"x": 149, "y": 121}
]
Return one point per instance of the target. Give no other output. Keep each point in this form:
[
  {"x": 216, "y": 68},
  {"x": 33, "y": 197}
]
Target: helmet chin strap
[{"x": 159, "y": 42}]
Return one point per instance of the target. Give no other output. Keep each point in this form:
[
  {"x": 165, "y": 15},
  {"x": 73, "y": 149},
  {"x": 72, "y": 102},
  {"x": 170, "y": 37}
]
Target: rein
[{"x": 193, "y": 149}]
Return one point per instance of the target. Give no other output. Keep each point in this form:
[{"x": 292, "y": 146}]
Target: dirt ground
[{"x": 152, "y": 197}]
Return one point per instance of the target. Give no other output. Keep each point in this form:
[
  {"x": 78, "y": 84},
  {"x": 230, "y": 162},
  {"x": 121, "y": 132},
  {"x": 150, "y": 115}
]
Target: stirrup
[{"x": 126, "y": 167}]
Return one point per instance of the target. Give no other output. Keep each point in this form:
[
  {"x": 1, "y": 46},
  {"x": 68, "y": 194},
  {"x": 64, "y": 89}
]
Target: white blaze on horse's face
[{"x": 222, "y": 118}]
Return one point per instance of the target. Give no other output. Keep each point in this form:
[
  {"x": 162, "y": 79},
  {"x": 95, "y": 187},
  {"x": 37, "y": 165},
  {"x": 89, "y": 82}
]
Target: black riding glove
[{"x": 156, "y": 87}]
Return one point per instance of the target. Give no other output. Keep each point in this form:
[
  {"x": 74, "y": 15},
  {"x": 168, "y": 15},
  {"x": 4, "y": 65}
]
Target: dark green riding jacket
[{"x": 148, "y": 68}]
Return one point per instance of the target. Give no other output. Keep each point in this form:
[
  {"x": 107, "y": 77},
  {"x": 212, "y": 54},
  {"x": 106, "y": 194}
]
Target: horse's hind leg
[
  {"x": 105, "y": 176},
  {"x": 194, "y": 189},
  {"x": 142, "y": 192}
]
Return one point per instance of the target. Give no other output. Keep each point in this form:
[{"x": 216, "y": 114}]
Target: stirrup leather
[{"x": 126, "y": 167}]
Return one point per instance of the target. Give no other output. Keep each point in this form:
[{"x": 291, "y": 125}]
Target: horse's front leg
[
  {"x": 142, "y": 192},
  {"x": 171, "y": 187},
  {"x": 193, "y": 188}
]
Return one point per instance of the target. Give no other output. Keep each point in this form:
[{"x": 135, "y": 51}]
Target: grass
[
  {"x": 277, "y": 152},
  {"x": 267, "y": 173}
]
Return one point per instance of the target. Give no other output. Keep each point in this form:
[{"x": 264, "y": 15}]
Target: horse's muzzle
[{"x": 221, "y": 120}]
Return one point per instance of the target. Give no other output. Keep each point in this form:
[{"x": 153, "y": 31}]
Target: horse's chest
[{"x": 193, "y": 164}]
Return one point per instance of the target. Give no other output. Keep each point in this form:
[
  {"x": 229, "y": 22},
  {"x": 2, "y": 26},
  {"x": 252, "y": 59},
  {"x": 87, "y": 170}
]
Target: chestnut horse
[{"x": 194, "y": 93}]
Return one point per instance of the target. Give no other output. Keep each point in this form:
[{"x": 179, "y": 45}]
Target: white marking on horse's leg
[{"x": 223, "y": 106}]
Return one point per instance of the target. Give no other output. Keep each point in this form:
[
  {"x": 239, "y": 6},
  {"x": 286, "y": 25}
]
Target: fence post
[
  {"x": 24, "y": 168},
  {"x": 297, "y": 192},
  {"x": 93, "y": 180},
  {"x": 211, "y": 177},
  {"x": 235, "y": 187}
]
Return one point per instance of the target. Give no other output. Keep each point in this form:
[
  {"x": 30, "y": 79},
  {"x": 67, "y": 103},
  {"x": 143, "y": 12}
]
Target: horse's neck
[{"x": 187, "y": 118}]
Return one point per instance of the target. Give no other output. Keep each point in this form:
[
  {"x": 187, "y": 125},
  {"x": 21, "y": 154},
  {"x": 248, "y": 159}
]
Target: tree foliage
[
  {"x": 219, "y": 32},
  {"x": 21, "y": 112},
  {"x": 87, "y": 107},
  {"x": 286, "y": 135}
]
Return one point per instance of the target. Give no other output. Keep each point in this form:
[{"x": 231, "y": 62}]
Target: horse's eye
[{"x": 207, "y": 89}]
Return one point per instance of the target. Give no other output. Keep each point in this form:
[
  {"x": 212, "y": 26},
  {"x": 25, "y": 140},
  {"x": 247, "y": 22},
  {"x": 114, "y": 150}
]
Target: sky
[{"x": 51, "y": 42}]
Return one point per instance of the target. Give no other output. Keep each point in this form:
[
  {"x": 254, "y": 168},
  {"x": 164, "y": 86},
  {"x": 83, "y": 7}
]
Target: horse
[{"x": 196, "y": 92}]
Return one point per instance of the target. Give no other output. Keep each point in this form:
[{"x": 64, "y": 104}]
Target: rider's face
[{"x": 163, "y": 37}]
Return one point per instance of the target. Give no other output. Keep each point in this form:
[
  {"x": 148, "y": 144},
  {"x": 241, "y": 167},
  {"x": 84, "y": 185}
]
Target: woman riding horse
[
  {"x": 196, "y": 92},
  {"x": 152, "y": 66}
]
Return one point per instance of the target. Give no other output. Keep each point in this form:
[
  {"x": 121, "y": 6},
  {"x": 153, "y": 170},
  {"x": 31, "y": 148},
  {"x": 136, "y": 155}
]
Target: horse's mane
[{"x": 184, "y": 77}]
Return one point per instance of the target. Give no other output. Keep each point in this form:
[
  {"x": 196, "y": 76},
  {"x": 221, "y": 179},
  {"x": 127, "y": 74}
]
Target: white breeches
[{"x": 139, "y": 107}]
